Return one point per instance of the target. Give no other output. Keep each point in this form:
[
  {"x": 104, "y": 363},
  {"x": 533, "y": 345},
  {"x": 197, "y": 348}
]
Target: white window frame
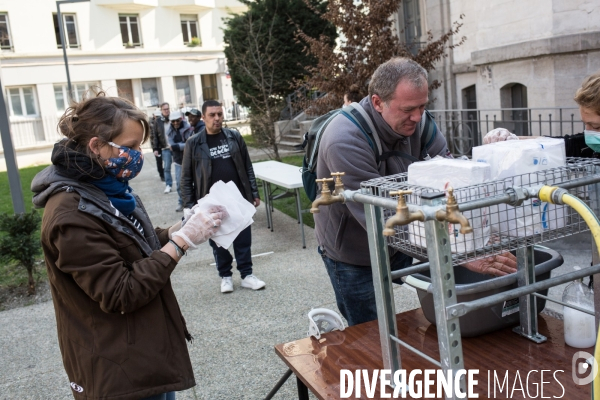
[
  {"x": 187, "y": 18},
  {"x": 64, "y": 25},
  {"x": 65, "y": 92},
  {"x": 157, "y": 93},
  {"x": 9, "y": 33},
  {"x": 139, "y": 28},
  {"x": 190, "y": 82},
  {"x": 22, "y": 99}
]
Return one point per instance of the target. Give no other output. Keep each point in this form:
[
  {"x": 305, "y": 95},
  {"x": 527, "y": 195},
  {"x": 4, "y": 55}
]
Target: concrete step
[
  {"x": 291, "y": 138},
  {"x": 287, "y": 145},
  {"x": 296, "y": 131}
]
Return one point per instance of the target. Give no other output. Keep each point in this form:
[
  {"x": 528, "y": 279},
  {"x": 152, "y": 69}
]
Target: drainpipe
[{"x": 449, "y": 77}]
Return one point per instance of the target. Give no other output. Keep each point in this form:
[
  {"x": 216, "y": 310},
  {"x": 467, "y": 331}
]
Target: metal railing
[
  {"x": 465, "y": 128},
  {"x": 290, "y": 111}
]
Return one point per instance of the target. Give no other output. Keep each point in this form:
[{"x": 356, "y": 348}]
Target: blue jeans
[
  {"x": 243, "y": 255},
  {"x": 178, "y": 181},
  {"x": 163, "y": 396},
  {"x": 353, "y": 286},
  {"x": 167, "y": 159}
]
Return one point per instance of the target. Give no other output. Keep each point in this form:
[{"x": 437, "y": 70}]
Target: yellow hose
[{"x": 592, "y": 222}]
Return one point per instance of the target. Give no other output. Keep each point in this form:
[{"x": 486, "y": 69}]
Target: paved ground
[{"x": 232, "y": 354}]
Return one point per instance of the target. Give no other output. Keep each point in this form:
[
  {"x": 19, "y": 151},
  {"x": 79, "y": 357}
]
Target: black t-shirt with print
[{"x": 223, "y": 167}]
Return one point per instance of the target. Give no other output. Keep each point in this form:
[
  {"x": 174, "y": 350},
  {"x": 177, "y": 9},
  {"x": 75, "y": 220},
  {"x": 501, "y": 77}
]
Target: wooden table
[
  {"x": 285, "y": 176},
  {"x": 317, "y": 363}
]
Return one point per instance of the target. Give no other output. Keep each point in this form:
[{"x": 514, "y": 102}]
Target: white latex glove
[
  {"x": 498, "y": 135},
  {"x": 187, "y": 213},
  {"x": 201, "y": 226}
]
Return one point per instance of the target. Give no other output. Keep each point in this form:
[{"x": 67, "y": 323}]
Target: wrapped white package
[
  {"x": 239, "y": 209},
  {"x": 509, "y": 160},
  {"x": 441, "y": 173},
  {"x": 437, "y": 173}
]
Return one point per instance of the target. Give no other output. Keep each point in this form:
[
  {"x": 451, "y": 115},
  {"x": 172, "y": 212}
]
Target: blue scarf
[{"x": 117, "y": 192}]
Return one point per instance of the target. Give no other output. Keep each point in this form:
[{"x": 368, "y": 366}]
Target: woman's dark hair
[
  {"x": 353, "y": 94},
  {"x": 99, "y": 115}
]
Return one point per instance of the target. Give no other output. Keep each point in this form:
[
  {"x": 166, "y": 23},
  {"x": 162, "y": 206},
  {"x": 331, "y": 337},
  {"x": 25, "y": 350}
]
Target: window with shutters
[
  {"x": 5, "y": 38},
  {"x": 130, "y": 30},
  {"x": 190, "y": 31},
  {"x": 69, "y": 31}
]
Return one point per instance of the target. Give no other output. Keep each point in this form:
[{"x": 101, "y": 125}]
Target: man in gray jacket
[{"x": 398, "y": 93}]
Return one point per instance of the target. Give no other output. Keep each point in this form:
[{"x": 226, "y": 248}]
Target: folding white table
[{"x": 284, "y": 176}]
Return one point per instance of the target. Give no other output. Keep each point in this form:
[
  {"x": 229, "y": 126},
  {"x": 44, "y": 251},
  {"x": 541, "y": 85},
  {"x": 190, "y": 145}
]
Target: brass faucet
[
  {"x": 325, "y": 198},
  {"x": 339, "y": 186},
  {"x": 453, "y": 215},
  {"x": 403, "y": 216}
]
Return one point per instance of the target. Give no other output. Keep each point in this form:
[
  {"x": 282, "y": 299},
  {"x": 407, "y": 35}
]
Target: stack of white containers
[
  {"x": 511, "y": 160},
  {"x": 441, "y": 173}
]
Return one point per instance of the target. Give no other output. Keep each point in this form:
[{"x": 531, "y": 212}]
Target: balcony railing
[
  {"x": 31, "y": 132},
  {"x": 38, "y": 132},
  {"x": 465, "y": 128}
]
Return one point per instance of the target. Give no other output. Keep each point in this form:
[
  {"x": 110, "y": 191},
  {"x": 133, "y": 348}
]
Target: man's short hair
[
  {"x": 210, "y": 103},
  {"x": 588, "y": 95},
  {"x": 388, "y": 75},
  {"x": 163, "y": 104}
]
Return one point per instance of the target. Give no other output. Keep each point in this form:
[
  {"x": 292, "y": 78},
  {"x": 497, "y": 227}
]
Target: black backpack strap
[{"x": 360, "y": 122}]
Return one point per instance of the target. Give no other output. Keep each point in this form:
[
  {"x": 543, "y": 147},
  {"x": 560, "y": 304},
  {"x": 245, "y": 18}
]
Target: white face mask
[{"x": 592, "y": 139}]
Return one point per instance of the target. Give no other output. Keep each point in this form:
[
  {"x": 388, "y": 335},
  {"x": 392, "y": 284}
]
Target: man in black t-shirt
[{"x": 219, "y": 154}]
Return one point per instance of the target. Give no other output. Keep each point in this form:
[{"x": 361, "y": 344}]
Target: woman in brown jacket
[{"x": 120, "y": 330}]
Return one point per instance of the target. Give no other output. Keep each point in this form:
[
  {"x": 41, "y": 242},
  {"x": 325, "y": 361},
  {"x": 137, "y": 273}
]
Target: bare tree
[
  {"x": 367, "y": 39},
  {"x": 258, "y": 58}
]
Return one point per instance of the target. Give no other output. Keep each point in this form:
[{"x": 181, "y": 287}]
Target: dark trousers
[
  {"x": 353, "y": 286},
  {"x": 163, "y": 396},
  {"x": 243, "y": 255},
  {"x": 159, "y": 165}
]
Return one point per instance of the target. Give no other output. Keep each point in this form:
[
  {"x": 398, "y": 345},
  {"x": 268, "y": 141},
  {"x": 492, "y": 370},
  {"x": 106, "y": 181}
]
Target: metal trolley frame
[{"x": 519, "y": 221}]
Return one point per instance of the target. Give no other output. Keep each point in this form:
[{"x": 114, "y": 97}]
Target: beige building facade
[
  {"x": 530, "y": 55},
  {"x": 149, "y": 51}
]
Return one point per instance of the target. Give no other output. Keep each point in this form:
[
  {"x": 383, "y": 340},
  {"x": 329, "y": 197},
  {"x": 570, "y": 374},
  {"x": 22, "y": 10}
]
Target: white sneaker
[
  {"x": 167, "y": 189},
  {"x": 252, "y": 282},
  {"x": 226, "y": 285}
]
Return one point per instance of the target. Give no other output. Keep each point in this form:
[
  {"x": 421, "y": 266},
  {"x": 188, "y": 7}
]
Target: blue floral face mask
[
  {"x": 592, "y": 139},
  {"x": 127, "y": 165}
]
